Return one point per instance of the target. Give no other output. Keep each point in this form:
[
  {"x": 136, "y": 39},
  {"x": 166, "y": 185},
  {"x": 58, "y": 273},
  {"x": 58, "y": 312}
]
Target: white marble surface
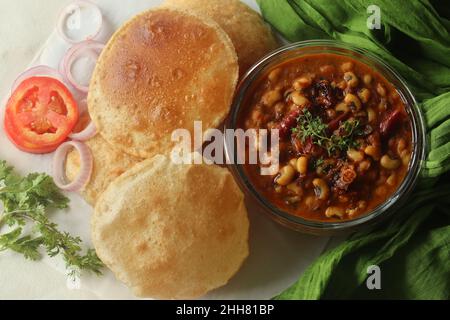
[{"x": 25, "y": 25}]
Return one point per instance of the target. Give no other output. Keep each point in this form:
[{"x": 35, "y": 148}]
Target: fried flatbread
[
  {"x": 172, "y": 231},
  {"x": 161, "y": 71},
  {"x": 251, "y": 37}
]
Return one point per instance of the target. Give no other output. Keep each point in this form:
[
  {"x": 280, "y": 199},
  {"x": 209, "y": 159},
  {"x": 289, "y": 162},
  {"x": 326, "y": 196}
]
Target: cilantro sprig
[
  {"x": 26, "y": 202},
  {"x": 312, "y": 127}
]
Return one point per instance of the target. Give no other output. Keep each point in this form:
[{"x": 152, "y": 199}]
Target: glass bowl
[{"x": 418, "y": 138}]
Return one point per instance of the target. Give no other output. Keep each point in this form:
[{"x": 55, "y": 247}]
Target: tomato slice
[{"x": 40, "y": 114}]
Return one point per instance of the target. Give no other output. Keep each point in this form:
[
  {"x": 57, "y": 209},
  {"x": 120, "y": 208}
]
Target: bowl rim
[{"x": 415, "y": 114}]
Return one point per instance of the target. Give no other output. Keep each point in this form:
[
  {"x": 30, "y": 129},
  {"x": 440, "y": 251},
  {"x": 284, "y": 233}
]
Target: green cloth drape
[{"x": 413, "y": 248}]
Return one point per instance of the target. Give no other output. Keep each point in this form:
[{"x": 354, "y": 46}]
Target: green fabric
[{"x": 412, "y": 249}]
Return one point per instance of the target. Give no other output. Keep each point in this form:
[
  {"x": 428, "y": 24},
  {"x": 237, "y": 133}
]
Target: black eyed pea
[
  {"x": 299, "y": 99},
  {"x": 270, "y": 97},
  {"x": 362, "y": 204},
  {"x": 355, "y": 155},
  {"x": 364, "y": 95},
  {"x": 351, "y": 79},
  {"x": 364, "y": 166},
  {"x": 351, "y": 212},
  {"x": 274, "y": 75},
  {"x": 302, "y": 165},
  {"x": 334, "y": 211},
  {"x": 302, "y": 83},
  {"x": 321, "y": 189},
  {"x": 392, "y": 179},
  {"x": 373, "y": 151},
  {"x": 286, "y": 175},
  {"x": 383, "y": 105},
  {"x": 405, "y": 159},
  {"x": 401, "y": 146},
  {"x": 342, "y": 85},
  {"x": 352, "y": 100},
  {"x": 393, "y": 97},
  {"x": 367, "y": 79},
  {"x": 342, "y": 107},
  {"x": 404, "y": 153},
  {"x": 293, "y": 162},
  {"x": 347, "y": 66},
  {"x": 293, "y": 200},
  {"x": 371, "y": 115},
  {"x": 311, "y": 202},
  {"x": 295, "y": 188},
  {"x": 381, "y": 90},
  {"x": 388, "y": 163},
  {"x": 279, "y": 87},
  {"x": 328, "y": 68}
]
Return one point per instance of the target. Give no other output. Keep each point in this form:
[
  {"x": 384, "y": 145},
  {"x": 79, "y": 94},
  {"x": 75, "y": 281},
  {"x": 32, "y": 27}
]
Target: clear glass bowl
[{"x": 418, "y": 137}]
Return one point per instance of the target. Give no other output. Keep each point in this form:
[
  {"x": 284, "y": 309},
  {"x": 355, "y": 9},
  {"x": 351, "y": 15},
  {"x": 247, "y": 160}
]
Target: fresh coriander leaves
[
  {"x": 309, "y": 126},
  {"x": 312, "y": 127},
  {"x": 25, "y": 202}
]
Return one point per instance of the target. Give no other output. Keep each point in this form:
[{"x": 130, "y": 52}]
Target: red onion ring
[
  {"x": 68, "y": 10},
  {"x": 59, "y": 159},
  {"x": 89, "y": 48},
  {"x": 86, "y": 133},
  {"x": 82, "y": 106},
  {"x": 40, "y": 70},
  {"x": 90, "y": 130}
]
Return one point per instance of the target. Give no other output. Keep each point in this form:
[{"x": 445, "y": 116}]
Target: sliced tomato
[{"x": 40, "y": 114}]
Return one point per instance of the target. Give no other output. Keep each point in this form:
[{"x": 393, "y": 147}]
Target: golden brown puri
[
  {"x": 251, "y": 37},
  {"x": 166, "y": 233},
  {"x": 162, "y": 71},
  {"x": 109, "y": 163}
]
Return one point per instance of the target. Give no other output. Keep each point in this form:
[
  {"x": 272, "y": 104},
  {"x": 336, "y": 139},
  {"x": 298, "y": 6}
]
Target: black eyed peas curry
[{"x": 345, "y": 137}]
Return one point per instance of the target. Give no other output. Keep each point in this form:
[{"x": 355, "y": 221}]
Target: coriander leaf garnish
[
  {"x": 347, "y": 138},
  {"x": 25, "y": 203},
  {"x": 312, "y": 127},
  {"x": 317, "y": 163}
]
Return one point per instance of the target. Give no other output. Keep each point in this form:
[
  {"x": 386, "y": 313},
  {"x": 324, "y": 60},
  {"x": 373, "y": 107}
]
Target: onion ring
[
  {"x": 87, "y": 164},
  {"x": 40, "y": 70},
  {"x": 90, "y": 130},
  {"x": 82, "y": 106},
  {"x": 86, "y": 133},
  {"x": 85, "y": 48},
  {"x": 74, "y": 8}
]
